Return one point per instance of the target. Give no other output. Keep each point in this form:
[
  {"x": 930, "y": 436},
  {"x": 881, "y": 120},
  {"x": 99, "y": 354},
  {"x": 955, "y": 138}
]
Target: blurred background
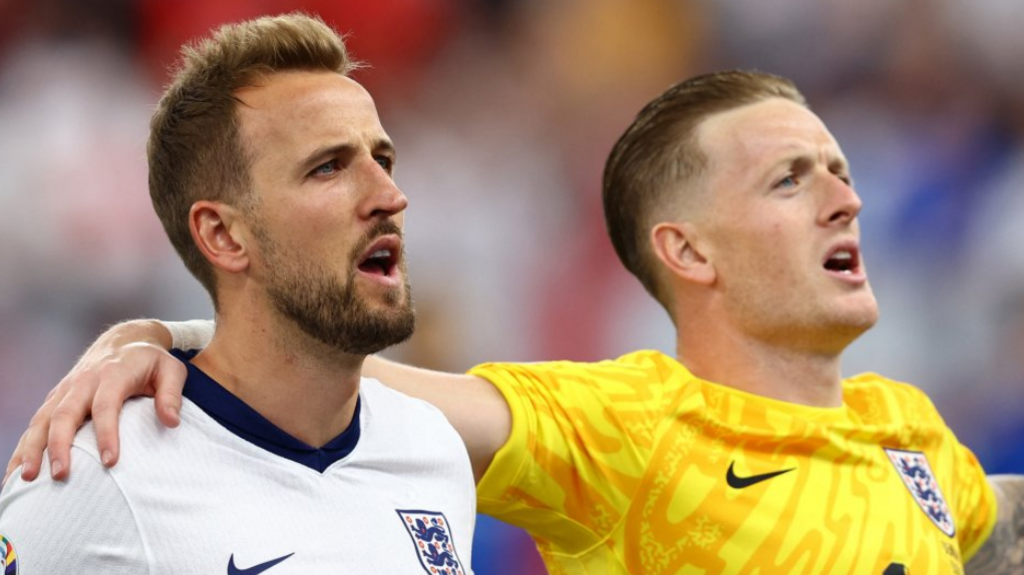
[{"x": 503, "y": 112}]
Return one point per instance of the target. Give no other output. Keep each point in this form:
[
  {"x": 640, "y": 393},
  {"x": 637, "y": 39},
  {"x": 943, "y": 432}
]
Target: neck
[
  {"x": 299, "y": 384},
  {"x": 776, "y": 371}
]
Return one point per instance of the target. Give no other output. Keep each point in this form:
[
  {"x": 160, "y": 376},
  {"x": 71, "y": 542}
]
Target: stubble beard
[{"x": 333, "y": 312}]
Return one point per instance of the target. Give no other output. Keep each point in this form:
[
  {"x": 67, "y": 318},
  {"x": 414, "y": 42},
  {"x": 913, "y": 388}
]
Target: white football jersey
[{"x": 227, "y": 492}]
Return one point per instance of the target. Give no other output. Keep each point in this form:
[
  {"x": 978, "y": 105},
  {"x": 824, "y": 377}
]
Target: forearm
[
  {"x": 149, "y": 331},
  {"x": 426, "y": 384},
  {"x": 459, "y": 396},
  {"x": 1003, "y": 552}
]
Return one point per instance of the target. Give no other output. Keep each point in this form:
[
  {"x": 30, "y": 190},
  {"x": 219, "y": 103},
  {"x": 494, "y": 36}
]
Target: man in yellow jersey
[{"x": 747, "y": 453}]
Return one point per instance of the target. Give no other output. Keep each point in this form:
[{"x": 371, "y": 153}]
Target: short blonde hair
[
  {"x": 195, "y": 151},
  {"x": 658, "y": 157}
]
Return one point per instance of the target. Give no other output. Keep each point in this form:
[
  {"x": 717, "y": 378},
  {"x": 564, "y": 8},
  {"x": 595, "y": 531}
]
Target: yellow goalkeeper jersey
[{"x": 637, "y": 466}]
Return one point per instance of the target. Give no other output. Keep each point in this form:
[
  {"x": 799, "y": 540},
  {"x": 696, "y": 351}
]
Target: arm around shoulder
[
  {"x": 1003, "y": 551},
  {"x": 474, "y": 407}
]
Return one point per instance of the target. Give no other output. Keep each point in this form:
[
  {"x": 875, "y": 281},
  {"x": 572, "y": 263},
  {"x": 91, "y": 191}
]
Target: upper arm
[
  {"x": 474, "y": 407},
  {"x": 1003, "y": 551},
  {"x": 83, "y": 525}
]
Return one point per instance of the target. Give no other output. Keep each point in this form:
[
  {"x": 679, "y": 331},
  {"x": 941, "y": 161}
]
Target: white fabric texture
[{"x": 197, "y": 498}]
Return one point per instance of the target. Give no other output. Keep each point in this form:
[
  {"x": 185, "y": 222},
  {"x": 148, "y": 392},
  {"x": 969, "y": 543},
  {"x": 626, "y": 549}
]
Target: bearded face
[{"x": 340, "y": 312}]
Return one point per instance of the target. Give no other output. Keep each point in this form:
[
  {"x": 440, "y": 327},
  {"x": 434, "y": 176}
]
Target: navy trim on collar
[{"x": 245, "y": 422}]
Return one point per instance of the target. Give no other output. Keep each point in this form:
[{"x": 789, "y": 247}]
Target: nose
[
  {"x": 843, "y": 204},
  {"x": 383, "y": 198}
]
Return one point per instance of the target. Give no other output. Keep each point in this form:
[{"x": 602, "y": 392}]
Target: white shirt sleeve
[
  {"x": 83, "y": 525},
  {"x": 192, "y": 334}
]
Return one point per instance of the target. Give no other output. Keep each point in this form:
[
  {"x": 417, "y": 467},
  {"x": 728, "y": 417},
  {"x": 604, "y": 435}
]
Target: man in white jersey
[{"x": 272, "y": 176}]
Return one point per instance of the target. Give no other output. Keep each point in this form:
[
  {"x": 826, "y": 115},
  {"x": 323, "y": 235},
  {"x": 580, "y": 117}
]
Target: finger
[
  {"x": 169, "y": 381},
  {"x": 29, "y": 454},
  {"x": 16, "y": 460},
  {"x": 106, "y": 409},
  {"x": 117, "y": 385},
  {"x": 68, "y": 416},
  {"x": 31, "y": 446}
]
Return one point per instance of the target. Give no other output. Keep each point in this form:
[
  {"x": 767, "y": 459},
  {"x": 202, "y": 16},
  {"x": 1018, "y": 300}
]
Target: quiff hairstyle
[
  {"x": 195, "y": 151},
  {"x": 658, "y": 158}
]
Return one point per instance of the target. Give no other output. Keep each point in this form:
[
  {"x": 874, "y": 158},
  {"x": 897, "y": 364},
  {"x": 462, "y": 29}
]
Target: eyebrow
[
  {"x": 802, "y": 160},
  {"x": 839, "y": 164},
  {"x": 310, "y": 161}
]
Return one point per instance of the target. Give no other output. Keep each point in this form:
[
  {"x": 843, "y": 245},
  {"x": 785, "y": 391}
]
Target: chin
[
  {"x": 851, "y": 326},
  {"x": 861, "y": 311}
]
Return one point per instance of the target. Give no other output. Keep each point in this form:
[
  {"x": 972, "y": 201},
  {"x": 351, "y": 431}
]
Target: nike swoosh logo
[
  {"x": 232, "y": 570},
  {"x": 737, "y": 482}
]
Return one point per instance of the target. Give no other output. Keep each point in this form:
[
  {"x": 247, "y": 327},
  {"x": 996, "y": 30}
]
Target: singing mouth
[
  {"x": 843, "y": 259},
  {"x": 382, "y": 258}
]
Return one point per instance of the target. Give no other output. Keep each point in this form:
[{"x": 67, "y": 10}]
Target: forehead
[
  {"x": 764, "y": 133},
  {"x": 293, "y": 113}
]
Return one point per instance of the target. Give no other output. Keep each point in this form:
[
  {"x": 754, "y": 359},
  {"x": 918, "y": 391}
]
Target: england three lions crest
[
  {"x": 917, "y": 475},
  {"x": 432, "y": 538}
]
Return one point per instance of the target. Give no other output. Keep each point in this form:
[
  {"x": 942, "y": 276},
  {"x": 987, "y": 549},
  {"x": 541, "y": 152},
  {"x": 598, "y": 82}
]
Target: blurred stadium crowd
[{"x": 503, "y": 112}]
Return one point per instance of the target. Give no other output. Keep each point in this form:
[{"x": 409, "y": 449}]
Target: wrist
[
  {"x": 151, "y": 331},
  {"x": 188, "y": 335}
]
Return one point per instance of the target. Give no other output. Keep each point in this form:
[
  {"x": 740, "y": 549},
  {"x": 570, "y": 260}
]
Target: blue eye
[
  {"x": 787, "y": 182},
  {"x": 325, "y": 169},
  {"x": 385, "y": 162}
]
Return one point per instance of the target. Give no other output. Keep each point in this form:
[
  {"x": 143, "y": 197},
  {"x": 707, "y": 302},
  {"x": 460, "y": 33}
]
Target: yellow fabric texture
[{"x": 621, "y": 467}]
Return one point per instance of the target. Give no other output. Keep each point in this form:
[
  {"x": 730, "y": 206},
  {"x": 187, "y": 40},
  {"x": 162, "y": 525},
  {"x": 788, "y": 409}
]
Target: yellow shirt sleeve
[
  {"x": 975, "y": 502},
  {"x": 581, "y": 437}
]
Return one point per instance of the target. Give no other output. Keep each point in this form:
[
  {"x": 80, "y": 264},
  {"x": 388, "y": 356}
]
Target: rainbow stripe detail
[{"x": 8, "y": 557}]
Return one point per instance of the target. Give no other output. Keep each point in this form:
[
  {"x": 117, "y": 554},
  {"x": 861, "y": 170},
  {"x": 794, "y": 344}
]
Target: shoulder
[
  {"x": 57, "y": 527},
  {"x": 866, "y": 385},
  {"x": 408, "y": 435},
  {"x": 643, "y": 386},
  {"x": 640, "y": 368},
  {"x": 882, "y": 399},
  {"x": 138, "y": 421},
  {"x": 148, "y": 446}
]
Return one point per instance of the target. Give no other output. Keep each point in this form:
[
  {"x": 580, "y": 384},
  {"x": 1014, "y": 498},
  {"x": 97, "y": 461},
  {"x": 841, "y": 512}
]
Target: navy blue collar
[{"x": 247, "y": 423}]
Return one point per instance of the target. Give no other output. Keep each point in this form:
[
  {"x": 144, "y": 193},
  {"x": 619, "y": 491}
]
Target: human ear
[
  {"x": 677, "y": 247},
  {"x": 217, "y": 230}
]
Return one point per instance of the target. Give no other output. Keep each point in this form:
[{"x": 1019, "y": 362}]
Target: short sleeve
[
  {"x": 81, "y": 525},
  {"x": 581, "y": 436},
  {"x": 975, "y": 503}
]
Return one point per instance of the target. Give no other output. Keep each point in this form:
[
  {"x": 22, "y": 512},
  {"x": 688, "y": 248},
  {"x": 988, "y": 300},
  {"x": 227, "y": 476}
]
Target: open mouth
[
  {"x": 382, "y": 257},
  {"x": 843, "y": 260}
]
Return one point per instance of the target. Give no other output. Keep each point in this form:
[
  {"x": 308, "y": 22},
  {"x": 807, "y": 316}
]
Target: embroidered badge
[
  {"x": 8, "y": 558},
  {"x": 433, "y": 541},
  {"x": 917, "y": 475}
]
